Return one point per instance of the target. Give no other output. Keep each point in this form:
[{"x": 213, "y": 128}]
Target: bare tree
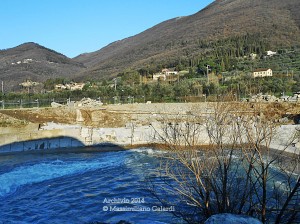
[{"x": 221, "y": 161}]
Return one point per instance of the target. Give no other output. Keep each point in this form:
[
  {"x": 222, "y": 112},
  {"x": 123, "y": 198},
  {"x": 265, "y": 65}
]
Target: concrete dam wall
[
  {"x": 123, "y": 125},
  {"x": 59, "y": 136},
  {"x": 62, "y": 136}
]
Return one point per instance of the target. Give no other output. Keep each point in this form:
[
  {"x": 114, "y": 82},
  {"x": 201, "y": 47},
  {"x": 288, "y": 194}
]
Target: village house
[
  {"x": 168, "y": 72},
  {"x": 60, "y": 87},
  {"x": 71, "y": 86},
  {"x": 76, "y": 86},
  {"x": 253, "y": 56},
  {"x": 271, "y": 53},
  {"x": 262, "y": 73},
  {"x": 165, "y": 74},
  {"x": 159, "y": 76},
  {"x": 30, "y": 85}
]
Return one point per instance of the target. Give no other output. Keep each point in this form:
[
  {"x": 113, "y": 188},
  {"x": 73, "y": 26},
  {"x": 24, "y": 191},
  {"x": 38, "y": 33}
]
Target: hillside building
[
  {"x": 165, "y": 74},
  {"x": 159, "y": 76},
  {"x": 71, "y": 86},
  {"x": 168, "y": 72},
  {"x": 253, "y": 56},
  {"x": 60, "y": 87},
  {"x": 29, "y": 85},
  {"x": 262, "y": 73},
  {"x": 271, "y": 53}
]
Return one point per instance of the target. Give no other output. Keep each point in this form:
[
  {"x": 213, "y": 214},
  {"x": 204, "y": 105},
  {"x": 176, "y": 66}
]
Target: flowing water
[
  {"x": 89, "y": 187},
  {"x": 79, "y": 188}
]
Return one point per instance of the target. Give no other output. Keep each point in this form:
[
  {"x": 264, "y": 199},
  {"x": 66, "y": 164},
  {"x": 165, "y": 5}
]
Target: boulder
[{"x": 56, "y": 105}]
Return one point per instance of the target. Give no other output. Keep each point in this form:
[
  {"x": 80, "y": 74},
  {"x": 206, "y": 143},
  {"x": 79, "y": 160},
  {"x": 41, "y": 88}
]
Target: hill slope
[
  {"x": 34, "y": 62},
  {"x": 275, "y": 20}
]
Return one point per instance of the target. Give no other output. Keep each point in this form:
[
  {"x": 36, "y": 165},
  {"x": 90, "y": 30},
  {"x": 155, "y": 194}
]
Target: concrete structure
[
  {"x": 32, "y": 137},
  {"x": 262, "y": 73},
  {"x": 122, "y": 125},
  {"x": 59, "y": 136}
]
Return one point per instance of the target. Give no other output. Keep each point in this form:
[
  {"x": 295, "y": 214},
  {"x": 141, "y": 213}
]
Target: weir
[{"x": 60, "y": 136}]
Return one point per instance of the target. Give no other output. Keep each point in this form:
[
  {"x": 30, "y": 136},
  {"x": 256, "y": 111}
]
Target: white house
[
  {"x": 60, "y": 87},
  {"x": 271, "y": 53},
  {"x": 168, "y": 72},
  {"x": 75, "y": 86},
  {"x": 262, "y": 73},
  {"x": 158, "y": 76},
  {"x": 164, "y": 74},
  {"x": 71, "y": 86},
  {"x": 253, "y": 56},
  {"x": 28, "y": 84}
]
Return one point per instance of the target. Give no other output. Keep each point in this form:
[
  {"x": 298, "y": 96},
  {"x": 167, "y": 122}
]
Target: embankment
[{"x": 123, "y": 125}]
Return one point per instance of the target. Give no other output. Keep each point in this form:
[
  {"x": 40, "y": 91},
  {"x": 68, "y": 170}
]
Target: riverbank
[{"x": 126, "y": 126}]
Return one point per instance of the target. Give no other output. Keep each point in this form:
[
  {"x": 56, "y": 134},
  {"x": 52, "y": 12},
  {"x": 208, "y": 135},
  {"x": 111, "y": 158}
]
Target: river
[
  {"x": 80, "y": 188},
  {"x": 96, "y": 186}
]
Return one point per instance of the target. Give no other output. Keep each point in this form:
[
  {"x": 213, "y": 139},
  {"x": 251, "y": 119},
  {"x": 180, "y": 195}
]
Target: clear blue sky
[{"x": 72, "y": 27}]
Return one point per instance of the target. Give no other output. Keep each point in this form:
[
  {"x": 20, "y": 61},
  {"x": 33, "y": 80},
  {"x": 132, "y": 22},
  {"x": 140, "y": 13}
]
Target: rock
[
  {"x": 227, "y": 218},
  {"x": 56, "y": 105},
  {"x": 123, "y": 222},
  {"x": 296, "y": 119},
  {"x": 79, "y": 117},
  {"x": 284, "y": 120},
  {"x": 87, "y": 102}
]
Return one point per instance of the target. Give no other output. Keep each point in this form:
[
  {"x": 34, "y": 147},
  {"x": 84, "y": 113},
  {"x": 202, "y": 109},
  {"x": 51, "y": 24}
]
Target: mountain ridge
[
  {"x": 31, "y": 61},
  {"x": 173, "y": 38},
  {"x": 165, "y": 44}
]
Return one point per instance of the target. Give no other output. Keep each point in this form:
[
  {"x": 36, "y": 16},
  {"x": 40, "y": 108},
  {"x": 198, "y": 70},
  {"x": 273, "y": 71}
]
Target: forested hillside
[
  {"x": 31, "y": 61},
  {"x": 226, "y": 29}
]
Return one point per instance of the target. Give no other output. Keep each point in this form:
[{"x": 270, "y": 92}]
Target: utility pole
[
  {"x": 2, "y": 87},
  {"x": 115, "y": 79},
  {"x": 207, "y": 70}
]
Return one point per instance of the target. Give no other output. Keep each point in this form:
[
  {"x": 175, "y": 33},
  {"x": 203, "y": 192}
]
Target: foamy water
[
  {"x": 72, "y": 188},
  {"x": 40, "y": 172}
]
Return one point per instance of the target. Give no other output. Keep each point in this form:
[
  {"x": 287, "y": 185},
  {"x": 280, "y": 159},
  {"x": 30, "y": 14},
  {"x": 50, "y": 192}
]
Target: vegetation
[
  {"x": 223, "y": 163},
  {"x": 184, "y": 41},
  {"x": 230, "y": 62},
  {"x": 230, "y": 68}
]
